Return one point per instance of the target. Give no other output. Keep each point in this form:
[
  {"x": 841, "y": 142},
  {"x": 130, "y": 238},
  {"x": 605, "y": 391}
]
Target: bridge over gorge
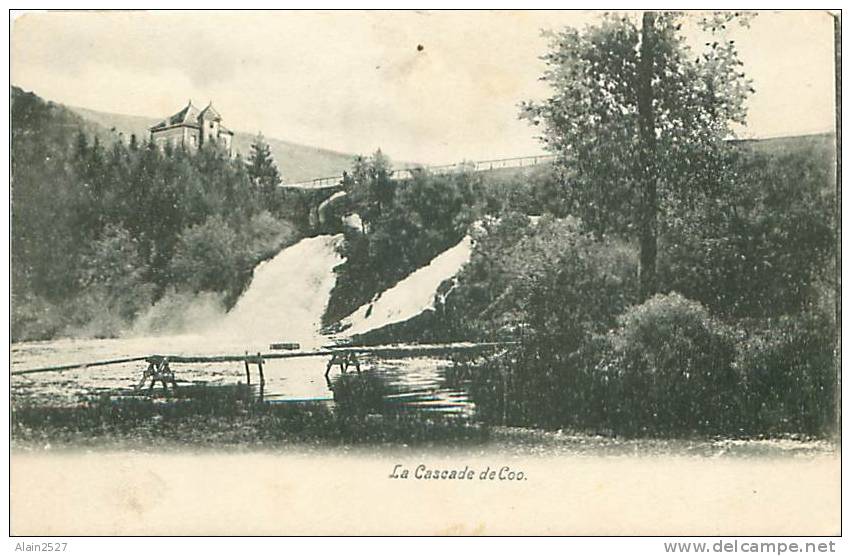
[{"x": 407, "y": 173}]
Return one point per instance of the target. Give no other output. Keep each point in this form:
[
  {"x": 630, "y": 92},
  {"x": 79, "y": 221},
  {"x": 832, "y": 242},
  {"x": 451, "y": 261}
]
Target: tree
[
  {"x": 264, "y": 174},
  {"x": 770, "y": 248},
  {"x": 100, "y": 231},
  {"x": 261, "y": 165},
  {"x": 112, "y": 274},
  {"x": 370, "y": 187},
  {"x": 639, "y": 120},
  {"x": 207, "y": 257}
]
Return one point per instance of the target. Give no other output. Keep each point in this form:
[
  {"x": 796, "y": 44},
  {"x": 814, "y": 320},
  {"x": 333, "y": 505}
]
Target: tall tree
[
  {"x": 261, "y": 165},
  {"x": 647, "y": 155},
  {"x": 370, "y": 187},
  {"x": 639, "y": 120}
]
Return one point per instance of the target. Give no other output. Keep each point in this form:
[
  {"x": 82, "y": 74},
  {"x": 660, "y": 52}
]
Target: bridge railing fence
[{"x": 408, "y": 173}]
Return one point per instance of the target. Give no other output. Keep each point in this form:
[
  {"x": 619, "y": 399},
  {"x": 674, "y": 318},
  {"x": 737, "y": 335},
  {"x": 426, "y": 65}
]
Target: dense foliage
[
  {"x": 742, "y": 341},
  {"x": 746, "y": 348},
  {"x": 768, "y": 246},
  {"x": 548, "y": 280},
  {"x": 638, "y": 120},
  {"x": 790, "y": 372},
  {"x": 404, "y": 225},
  {"x": 669, "y": 368},
  {"x": 754, "y": 354},
  {"x": 99, "y": 233},
  {"x": 555, "y": 288}
]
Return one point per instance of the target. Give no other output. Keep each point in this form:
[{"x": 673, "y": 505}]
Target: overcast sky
[{"x": 353, "y": 81}]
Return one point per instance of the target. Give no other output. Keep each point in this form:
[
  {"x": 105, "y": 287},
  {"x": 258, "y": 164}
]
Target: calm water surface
[{"x": 420, "y": 384}]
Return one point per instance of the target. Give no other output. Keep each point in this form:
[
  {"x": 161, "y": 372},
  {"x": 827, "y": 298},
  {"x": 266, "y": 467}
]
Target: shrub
[
  {"x": 758, "y": 251},
  {"x": 552, "y": 280},
  {"x": 359, "y": 394},
  {"x": 791, "y": 375},
  {"x": 559, "y": 290},
  {"x": 114, "y": 289},
  {"x": 670, "y": 369},
  {"x": 263, "y": 236},
  {"x": 35, "y": 318},
  {"x": 207, "y": 257}
]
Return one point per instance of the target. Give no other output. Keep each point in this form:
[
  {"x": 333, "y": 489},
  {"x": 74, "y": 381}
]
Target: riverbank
[{"x": 230, "y": 419}]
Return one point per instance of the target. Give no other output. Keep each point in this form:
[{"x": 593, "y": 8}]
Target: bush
[
  {"x": 359, "y": 394},
  {"x": 478, "y": 305},
  {"x": 551, "y": 280},
  {"x": 263, "y": 236},
  {"x": 671, "y": 369},
  {"x": 34, "y": 318},
  {"x": 216, "y": 257},
  {"x": 557, "y": 290},
  {"x": 207, "y": 257},
  {"x": 759, "y": 251},
  {"x": 791, "y": 376},
  {"x": 113, "y": 286}
]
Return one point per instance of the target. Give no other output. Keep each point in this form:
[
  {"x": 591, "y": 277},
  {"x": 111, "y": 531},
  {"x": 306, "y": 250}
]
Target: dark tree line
[{"x": 104, "y": 230}]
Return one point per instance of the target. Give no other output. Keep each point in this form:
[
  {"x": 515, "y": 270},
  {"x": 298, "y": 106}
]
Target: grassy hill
[
  {"x": 56, "y": 123},
  {"x": 820, "y": 147},
  {"x": 296, "y": 162}
]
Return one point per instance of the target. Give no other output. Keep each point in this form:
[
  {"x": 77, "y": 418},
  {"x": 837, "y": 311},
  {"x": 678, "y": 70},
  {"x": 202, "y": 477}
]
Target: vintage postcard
[{"x": 424, "y": 273}]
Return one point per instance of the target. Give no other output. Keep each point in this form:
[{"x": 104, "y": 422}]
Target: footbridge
[{"x": 159, "y": 367}]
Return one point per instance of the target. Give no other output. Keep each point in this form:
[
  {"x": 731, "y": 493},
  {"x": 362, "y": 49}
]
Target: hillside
[
  {"x": 820, "y": 146},
  {"x": 790, "y": 143},
  {"x": 30, "y": 113},
  {"x": 296, "y": 162},
  {"x": 103, "y": 231}
]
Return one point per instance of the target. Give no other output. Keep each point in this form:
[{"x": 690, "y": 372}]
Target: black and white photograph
[{"x": 397, "y": 272}]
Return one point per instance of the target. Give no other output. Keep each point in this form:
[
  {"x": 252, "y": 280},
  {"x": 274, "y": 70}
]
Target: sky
[{"x": 431, "y": 87}]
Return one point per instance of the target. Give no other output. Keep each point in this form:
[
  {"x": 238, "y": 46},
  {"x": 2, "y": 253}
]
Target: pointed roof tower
[
  {"x": 188, "y": 116},
  {"x": 210, "y": 113}
]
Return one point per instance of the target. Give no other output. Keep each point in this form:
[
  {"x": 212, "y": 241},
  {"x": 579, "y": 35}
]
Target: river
[{"x": 283, "y": 303}]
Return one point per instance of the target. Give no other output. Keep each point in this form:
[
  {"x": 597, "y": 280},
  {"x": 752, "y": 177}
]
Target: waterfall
[
  {"x": 287, "y": 296},
  {"x": 411, "y": 296}
]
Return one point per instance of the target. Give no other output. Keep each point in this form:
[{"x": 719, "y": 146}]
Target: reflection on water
[
  {"x": 392, "y": 386},
  {"x": 385, "y": 386}
]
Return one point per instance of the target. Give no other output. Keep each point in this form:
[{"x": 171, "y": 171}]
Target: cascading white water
[
  {"x": 283, "y": 303},
  {"x": 411, "y": 296},
  {"x": 287, "y": 296}
]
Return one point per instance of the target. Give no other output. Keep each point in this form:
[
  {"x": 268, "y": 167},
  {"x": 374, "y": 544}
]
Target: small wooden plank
[{"x": 285, "y": 345}]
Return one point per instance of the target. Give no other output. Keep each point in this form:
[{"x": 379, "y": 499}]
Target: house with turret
[{"x": 192, "y": 128}]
